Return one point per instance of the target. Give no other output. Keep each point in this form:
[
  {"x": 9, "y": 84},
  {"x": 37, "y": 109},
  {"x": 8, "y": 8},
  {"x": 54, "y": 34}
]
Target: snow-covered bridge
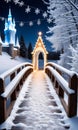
[{"x": 37, "y": 106}]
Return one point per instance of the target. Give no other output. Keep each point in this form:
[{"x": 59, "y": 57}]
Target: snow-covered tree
[
  {"x": 23, "y": 48},
  {"x": 65, "y": 31},
  {"x": 30, "y": 49},
  {"x": 74, "y": 58}
]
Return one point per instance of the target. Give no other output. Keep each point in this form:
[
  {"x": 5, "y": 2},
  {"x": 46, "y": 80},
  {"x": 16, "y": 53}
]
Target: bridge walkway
[{"x": 39, "y": 109}]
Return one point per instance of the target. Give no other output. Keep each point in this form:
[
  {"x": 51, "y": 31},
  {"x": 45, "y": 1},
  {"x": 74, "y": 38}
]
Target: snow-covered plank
[
  {"x": 68, "y": 72},
  {"x": 61, "y": 81},
  {"x": 9, "y": 72},
  {"x": 11, "y": 87}
]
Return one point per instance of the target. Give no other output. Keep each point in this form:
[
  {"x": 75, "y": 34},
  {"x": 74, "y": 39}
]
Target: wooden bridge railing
[
  {"x": 9, "y": 93},
  {"x": 65, "y": 89}
]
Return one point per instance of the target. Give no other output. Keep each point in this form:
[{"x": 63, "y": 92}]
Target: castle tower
[{"x": 10, "y": 30}]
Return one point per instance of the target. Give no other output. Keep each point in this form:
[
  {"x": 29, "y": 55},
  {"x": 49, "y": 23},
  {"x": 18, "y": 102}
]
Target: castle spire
[
  {"x": 9, "y": 12},
  {"x": 9, "y": 15}
]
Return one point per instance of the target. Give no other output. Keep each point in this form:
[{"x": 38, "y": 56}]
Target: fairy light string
[{"x": 28, "y": 10}]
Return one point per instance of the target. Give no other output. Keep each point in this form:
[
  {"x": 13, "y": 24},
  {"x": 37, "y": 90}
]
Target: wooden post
[
  {"x": 12, "y": 76},
  {"x": 26, "y": 74},
  {"x": 2, "y": 87},
  {"x": 72, "y": 100},
  {"x": 23, "y": 67},
  {"x": 13, "y": 95},
  {"x": 56, "y": 84},
  {"x": 2, "y": 102},
  {"x": 18, "y": 70},
  {"x": 52, "y": 78},
  {"x": 21, "y": 82},
  {"x": 18, "y": 86},
  {"x": 60, "y": 92},
  {"x": 2, "y": 109},
  {"x": 59, "y": 71}
]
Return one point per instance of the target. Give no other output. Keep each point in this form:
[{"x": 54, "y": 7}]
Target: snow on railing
[
  {"x": 60, "y": 68},
  {"x": 11, "y": 87},
  {"x": 63, "y": 87},
  {"x": 61, "y": 81},
  {"x": 8, "y": 93},
  {"x": 9, "y": 72}
]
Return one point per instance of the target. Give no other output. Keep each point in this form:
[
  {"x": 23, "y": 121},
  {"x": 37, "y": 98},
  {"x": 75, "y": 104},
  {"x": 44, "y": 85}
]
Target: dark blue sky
[{"x": 30, "y": 33}]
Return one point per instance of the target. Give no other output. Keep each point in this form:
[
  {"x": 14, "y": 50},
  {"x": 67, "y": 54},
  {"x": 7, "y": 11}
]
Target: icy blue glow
[{"x": 10, "y": 30}]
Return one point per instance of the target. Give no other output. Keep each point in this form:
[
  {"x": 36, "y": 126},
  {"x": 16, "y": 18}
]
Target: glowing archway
[{"x": 39, "y": 48}]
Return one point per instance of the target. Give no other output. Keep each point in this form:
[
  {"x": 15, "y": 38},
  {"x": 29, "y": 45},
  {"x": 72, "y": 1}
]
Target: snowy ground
[{"x": 6, "y": 63}]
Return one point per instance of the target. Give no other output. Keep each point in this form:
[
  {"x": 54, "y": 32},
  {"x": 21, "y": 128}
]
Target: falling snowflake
[
  {"x": 21, "y": 24},
  {"x": 21, "y": 3},
  {"x": 45, "y": 14},
  {"x": 16, "y": 1},
  {"x": 7, "y": 1},
  {"x": 49, "y": 20},
  {"x": 28, "y": 9},
  {"x": 2, "y": 18},
  {"x": 30, "y": 23},
  {"x": 37, "y": 11},
  {"x": 38, "y": 22}
]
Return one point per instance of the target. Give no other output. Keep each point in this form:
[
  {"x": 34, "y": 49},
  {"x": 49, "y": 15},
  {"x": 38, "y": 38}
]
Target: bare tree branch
[
  {"x": 73, "y": 4},
  {"x": 47, "y": 3}
]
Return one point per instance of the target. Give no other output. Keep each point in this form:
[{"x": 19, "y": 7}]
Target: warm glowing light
[
  {"x": 39, "y": 43},
  {"x": 39, "y": 47},
  {"x": 40, "y": 33}
]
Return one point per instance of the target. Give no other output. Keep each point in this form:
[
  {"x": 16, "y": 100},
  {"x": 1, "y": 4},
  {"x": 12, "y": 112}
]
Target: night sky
[{"x": 30, "y": 33}]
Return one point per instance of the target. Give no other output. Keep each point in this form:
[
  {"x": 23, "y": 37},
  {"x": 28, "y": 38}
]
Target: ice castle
[
  {"x": 10, "y": 30},
  {"x": 9, "y": 45}
]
